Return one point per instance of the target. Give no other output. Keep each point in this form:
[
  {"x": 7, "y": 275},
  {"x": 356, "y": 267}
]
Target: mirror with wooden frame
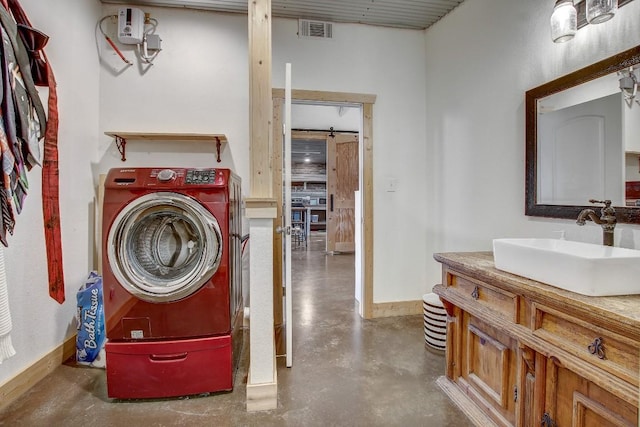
[{"x": 572, "y": 154}]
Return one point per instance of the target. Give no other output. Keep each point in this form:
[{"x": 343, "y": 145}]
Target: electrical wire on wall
[
  {"x": 108, "y": 39},
  {"x": 132, "y": 28},
  {"x": 150, "y": 42}
]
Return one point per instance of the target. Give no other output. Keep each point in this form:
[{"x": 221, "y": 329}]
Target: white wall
[
  {"x": 40, "y": 323},
  {"x": 481, "y": 58},
  {"x": 324, "y": 117},
  {"x": 198, "y": 84},
  {"x": 632, "y": 167},
  {"x": 448, "y": 125},
  {"x": 631, "y": 124},
  {"x": 389, "y": 63},
  {"x": 211, "y": 49}
]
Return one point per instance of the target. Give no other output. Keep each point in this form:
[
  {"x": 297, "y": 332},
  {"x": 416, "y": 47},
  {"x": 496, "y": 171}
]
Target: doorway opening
[
  {"x": 325, "y": 179},
  {"x": 364, "y": 243},
  {"x": 308, "y": 188}
]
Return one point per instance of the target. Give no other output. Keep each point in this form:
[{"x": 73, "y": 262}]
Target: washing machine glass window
[{"x": 164, "y": 246}]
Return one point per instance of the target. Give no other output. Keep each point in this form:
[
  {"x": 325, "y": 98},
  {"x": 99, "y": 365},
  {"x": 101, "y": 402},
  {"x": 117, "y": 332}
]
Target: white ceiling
[{"x": 417, "y": 14}]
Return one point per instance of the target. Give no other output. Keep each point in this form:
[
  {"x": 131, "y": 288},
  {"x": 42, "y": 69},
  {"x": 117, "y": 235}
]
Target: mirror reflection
[
  {"x": 589, "y": 142},
  {"x": 583, "y": 140}
]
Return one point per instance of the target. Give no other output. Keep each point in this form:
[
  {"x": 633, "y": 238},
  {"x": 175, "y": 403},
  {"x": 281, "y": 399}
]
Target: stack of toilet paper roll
[{"x": 435, "y": 322}]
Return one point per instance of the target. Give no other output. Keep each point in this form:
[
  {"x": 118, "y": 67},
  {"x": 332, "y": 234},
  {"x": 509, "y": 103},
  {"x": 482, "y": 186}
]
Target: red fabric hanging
[
  {"x": 50, "y": 194},
  {"x": 50, "y": 173}
]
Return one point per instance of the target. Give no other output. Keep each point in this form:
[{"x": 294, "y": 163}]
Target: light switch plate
[{"x": 392, "y": 185}]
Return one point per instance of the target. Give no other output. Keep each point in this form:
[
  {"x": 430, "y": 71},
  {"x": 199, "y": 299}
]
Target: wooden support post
[
  {"x": 262, "y": 385},
  {"x": 260, "y": 103}
]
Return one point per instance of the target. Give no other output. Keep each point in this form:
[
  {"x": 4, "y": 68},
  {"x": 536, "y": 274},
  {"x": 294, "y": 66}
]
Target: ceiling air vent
[{"x": 315, "y": 29}]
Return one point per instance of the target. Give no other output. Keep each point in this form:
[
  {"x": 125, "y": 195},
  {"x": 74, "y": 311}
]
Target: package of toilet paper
[{"x": 90, "y": 323}]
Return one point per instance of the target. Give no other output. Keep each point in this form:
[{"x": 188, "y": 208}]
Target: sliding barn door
[{"x": 342, "y": 182}]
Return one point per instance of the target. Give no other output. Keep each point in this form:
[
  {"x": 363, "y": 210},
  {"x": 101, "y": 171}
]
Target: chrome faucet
[{"x": 607, "y": 220}]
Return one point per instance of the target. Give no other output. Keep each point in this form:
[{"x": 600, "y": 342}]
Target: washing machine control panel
[{"x": 200, "y": 176}]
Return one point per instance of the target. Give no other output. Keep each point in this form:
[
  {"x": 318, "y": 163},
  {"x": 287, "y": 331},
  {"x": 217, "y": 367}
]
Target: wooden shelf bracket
[
  {"x": 121, "y": 145},
  {"x": 122, "y": 137},
  {"x": 218, "y": 146}
]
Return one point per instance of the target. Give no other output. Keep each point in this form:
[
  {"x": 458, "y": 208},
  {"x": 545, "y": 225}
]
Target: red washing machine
[{"x": 172, "y": 271}]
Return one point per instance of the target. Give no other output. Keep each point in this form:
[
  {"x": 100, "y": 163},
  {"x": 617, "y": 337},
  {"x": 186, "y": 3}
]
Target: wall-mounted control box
[{"x": 130, "y": 25}]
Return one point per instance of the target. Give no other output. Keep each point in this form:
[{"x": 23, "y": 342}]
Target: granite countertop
[{"x": 623, "y": 309}]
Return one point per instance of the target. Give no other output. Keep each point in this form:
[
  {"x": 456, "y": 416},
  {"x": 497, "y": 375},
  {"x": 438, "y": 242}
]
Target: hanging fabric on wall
[
  {"x": 25, "y": 124},
  {"x": 6, "y": 347},
  {"x": 50, "y": 196}
]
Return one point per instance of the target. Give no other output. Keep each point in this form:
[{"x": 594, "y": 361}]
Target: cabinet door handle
[
  {"x": 476, "y": 293},
  {"x": 597, "y": 348},
  {"x": 331, "y": 203},
  {"x": 168, "y": 357}
]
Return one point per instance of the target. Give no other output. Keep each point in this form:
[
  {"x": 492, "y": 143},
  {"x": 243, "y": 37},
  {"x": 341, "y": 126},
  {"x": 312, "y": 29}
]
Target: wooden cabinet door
[
  {"x": 530, "y": 393},
  {"x": 342, "y": 182},
  {"x": 489, "y": 368},
  {"x": 573, "y": 401}
]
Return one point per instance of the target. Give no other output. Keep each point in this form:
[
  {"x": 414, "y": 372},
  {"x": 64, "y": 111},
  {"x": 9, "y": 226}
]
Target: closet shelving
[{"x": 311, "y": 191}]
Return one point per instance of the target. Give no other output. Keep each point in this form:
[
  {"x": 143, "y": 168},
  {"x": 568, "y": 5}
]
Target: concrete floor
[{"x": 346, "y": 372}]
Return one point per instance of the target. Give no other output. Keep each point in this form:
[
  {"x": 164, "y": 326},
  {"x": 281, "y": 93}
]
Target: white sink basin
[{"x": 583, "y": 268}]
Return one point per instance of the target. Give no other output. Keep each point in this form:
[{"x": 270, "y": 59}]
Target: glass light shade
[
  {"x": 564, "y": 22},
  {"x": 599, "y": 11},
  {"x": 629, "y": 85}
]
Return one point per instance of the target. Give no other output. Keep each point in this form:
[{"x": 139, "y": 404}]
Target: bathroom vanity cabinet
[{"x": 523, "y": 353}]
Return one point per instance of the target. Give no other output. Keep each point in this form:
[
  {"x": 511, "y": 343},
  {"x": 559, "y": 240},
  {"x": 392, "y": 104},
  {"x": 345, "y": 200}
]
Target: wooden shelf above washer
[{"x": 122, "y": 137}]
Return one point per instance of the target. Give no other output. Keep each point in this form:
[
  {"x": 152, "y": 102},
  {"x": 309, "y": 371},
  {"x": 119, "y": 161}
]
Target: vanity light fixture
[
  {"x": 629, "y": 85},
  {"x": 599, "y": 11},
  {"x": 570, "y": 15},
  {"x": 564, "y": 21}
]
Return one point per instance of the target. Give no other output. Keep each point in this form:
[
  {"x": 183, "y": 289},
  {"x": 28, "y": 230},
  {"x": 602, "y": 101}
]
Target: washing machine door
[{"x": 164, "y": 246}]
